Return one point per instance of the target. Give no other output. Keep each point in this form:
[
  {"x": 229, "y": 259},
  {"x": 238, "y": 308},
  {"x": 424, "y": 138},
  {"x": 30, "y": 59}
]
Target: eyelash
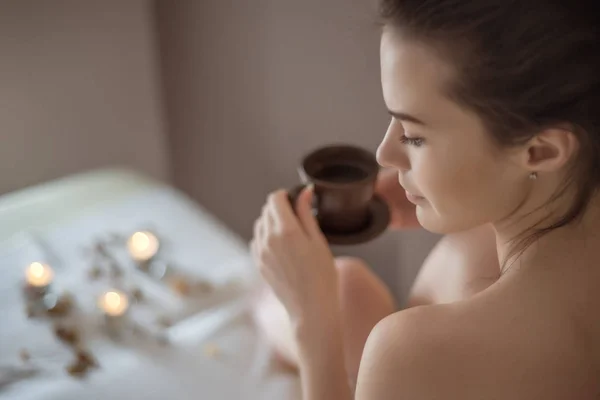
[{"x": 417, "y": 142}]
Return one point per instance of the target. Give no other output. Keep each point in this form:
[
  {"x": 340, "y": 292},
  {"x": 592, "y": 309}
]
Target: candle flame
[
  {"x": 113, "y": 303},
  {"x": 143, "y": 245},
  {"x": 38, "y": 274},
  {"x": 113, "y": 299},
  {"x": 37, "y": 269},
  {"x": 140, "y": 240}
]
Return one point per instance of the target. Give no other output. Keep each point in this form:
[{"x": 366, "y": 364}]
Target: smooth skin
[
  {"x": 526, "y": 331},
  {"x": 459, "y": 266}
]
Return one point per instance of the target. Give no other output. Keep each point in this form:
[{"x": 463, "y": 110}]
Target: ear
[{"x": 550, "y": 150}]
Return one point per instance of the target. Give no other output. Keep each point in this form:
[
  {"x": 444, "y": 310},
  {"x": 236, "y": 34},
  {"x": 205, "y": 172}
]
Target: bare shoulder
[
  {"x": 416, "y": 354},
  {"x": 480, "y": 348}
]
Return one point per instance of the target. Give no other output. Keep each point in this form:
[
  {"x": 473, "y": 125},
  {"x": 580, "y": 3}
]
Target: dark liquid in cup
[{"x": 341, "y": 173}]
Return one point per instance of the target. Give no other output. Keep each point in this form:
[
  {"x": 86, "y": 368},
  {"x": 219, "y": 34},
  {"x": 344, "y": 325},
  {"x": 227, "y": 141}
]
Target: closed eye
[{"x": 417, "y": 142}]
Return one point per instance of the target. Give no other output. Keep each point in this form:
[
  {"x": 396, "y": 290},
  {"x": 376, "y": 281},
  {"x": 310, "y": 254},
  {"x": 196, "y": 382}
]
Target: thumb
[{"x": 305, "y": 211}]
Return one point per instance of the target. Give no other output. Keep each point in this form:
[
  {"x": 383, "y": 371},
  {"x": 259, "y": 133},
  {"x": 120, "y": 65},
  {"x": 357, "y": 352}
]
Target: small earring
[{"x": 533, "y": 176}]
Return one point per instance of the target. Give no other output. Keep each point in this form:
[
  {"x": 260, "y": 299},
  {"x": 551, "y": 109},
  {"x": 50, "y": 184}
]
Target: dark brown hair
[{"x": 521, "y": 65}]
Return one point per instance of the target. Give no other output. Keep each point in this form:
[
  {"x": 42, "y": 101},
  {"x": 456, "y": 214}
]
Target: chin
[{"x": 440, "y": 224}]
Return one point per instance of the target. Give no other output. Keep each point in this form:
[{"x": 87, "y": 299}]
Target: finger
[
  {"x": 264, "y": 210},
  {"x": 256, "y": 231},
  {"x": 270, "y": 220},
  {"x": 263, "y": 262},
  {"x": 259, "y": 256},
  {"x": 254, "y": 249},
  {"x": 267, "y": 223},
  {"x": 260, "y": 235},
  {"x": 403, "y": 216},
  {"x": 266, "y": 274},
  {"x": 282, "y": 213},
  {"x": 305, "y": 213},
  {"x": 254, "y": 253},
  {"x": 380, "y": 181}
]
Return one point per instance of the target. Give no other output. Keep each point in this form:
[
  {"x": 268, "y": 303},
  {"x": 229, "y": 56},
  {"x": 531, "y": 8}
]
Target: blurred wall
[
  {"x": 79, "y": 89},
  {"x": 251, "y": 86}
]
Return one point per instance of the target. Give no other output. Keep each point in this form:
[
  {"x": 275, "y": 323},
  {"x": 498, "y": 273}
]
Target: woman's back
[{"x": 533, "y": 334}]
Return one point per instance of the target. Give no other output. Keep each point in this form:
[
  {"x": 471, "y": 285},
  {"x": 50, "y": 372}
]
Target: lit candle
[
  {"x": 38, "y": 277},
  {"x": 114, "y": 306},
  {"x": 113, "y": 303},
  {"x": 143, "y": 246}
]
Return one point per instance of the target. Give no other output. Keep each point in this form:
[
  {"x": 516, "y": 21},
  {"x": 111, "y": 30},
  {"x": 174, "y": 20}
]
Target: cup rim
[{"x": 371, "y": 173}]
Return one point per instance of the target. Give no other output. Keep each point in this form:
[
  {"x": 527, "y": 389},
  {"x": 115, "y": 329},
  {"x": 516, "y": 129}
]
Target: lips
[
  {"x": 410, "y": 193},
  {"x": 414, "y": 198}
]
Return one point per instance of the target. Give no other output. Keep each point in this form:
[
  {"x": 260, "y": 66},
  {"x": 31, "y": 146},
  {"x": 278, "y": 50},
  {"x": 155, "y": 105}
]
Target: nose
[{"x": 391, "y": 153}]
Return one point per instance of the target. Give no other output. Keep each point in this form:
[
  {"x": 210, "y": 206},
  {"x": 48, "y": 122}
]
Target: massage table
[{"x": 211, "y": 350}]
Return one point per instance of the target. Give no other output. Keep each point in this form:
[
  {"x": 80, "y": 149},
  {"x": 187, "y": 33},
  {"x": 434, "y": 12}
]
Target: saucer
[{"x": 379, "y": 220}]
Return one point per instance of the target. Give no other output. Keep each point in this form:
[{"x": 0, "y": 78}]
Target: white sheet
[{"x": 134, "y": 368}]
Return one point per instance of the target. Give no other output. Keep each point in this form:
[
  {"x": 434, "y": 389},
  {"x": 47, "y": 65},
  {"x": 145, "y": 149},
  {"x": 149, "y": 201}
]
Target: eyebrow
[{"x": 406, "y": 117}]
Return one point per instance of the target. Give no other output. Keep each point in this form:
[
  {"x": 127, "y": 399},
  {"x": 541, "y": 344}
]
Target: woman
[{"x": 495, "y": 110}]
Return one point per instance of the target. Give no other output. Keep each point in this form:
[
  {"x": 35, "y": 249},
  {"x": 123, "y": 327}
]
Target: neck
[{"x": 519, "y": 245}]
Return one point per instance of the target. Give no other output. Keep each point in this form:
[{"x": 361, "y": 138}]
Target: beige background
[
  {"x": 251, "y": 86},
  {"x": 79, "y": 89},
  {"x": 241, "y": 90}
]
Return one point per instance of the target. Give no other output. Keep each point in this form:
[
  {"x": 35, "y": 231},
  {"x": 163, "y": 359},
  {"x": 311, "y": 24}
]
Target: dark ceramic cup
[{"x": 344, "y": 182}]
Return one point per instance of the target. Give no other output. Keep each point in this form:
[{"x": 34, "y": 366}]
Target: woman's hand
[
  {"x": 403, "y": 212},
  {"x": 294, "y": 258}
]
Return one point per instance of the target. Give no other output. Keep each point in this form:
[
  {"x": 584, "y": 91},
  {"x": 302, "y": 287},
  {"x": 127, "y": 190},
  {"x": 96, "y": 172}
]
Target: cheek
[
  {"x": 443, "y": 174},
  {"x": 463, "y": 189}
]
